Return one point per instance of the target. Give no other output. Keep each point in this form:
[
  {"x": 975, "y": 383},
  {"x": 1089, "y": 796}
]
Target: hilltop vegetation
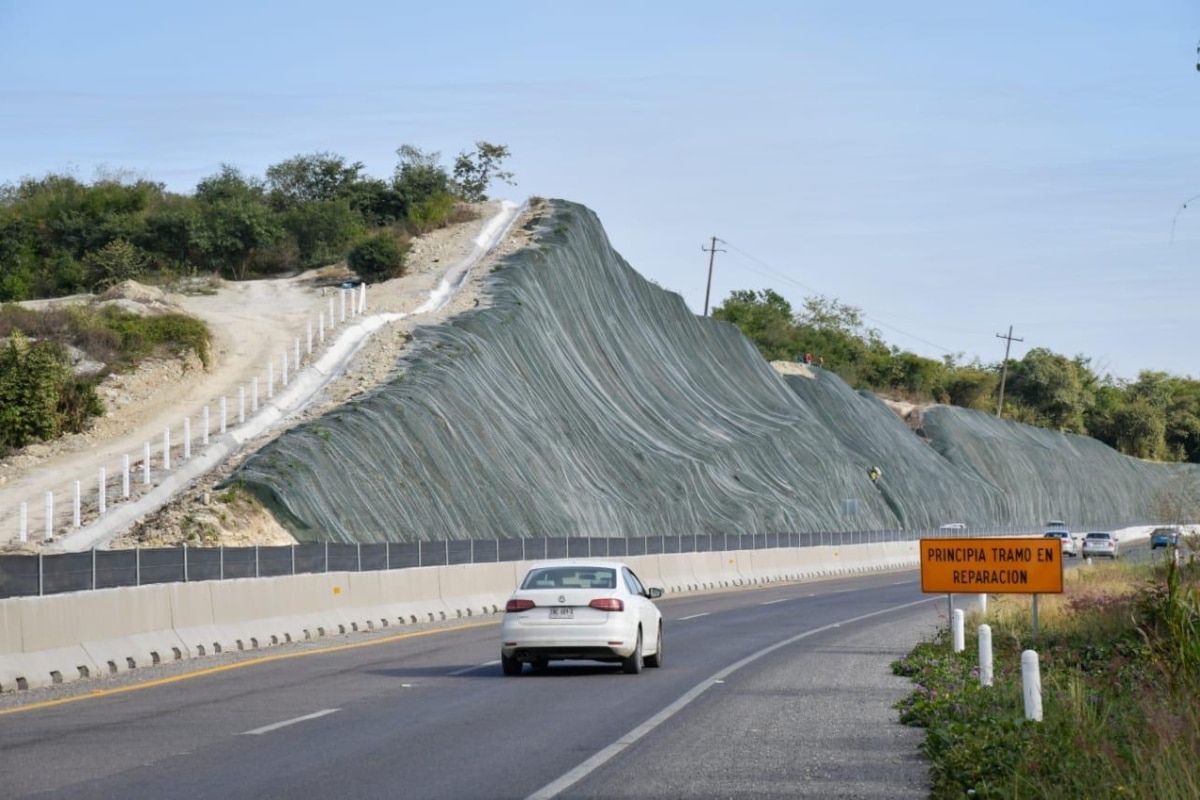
[
  {"x": 61, "y": 236},
  {"x": 1155, "y": 417}
]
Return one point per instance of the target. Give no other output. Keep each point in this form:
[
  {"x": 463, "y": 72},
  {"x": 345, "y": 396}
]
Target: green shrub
[{"x": 378, "y": 258}]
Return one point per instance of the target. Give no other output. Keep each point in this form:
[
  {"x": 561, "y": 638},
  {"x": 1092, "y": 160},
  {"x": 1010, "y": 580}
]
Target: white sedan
[{"x": 588, "y": 610}]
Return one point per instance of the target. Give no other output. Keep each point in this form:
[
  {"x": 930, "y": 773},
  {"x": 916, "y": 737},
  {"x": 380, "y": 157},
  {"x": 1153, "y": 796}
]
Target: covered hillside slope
[{"x": 585, "y": 401}]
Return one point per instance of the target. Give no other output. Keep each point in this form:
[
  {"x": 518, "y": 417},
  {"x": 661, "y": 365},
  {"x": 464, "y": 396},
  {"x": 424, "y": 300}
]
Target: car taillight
[
  {"x": 608, "y": 604},
  {"x": 518, "y": 605}
]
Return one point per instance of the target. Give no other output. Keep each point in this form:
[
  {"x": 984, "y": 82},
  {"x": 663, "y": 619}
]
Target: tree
[
  {"x": 377, "y": 258},
  {"x": 323, "y": 230},
  {"x": 419, "y": 175},
  {"x": 230, "y": 232},
  {"x": 31, "y": 377},
  {"x": 117, "y": 261},
  {"x": 229, "y": 184},
  {"x": 474, "y": 172},
  {"x": 1050, "y": 386},
  {"x": 765, "y": 318},
  {"x": 312, "y": 178}
]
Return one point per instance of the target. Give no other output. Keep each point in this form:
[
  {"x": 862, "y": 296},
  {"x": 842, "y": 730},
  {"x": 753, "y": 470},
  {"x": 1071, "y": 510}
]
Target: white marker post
[
  {"x": 985, "y": 655},
  {"x": 187, "y": 438},
  {"x": 296, "y": 356},
  {"x": 254, "y": 395},
  {"x": 146, "y": 464},
  {"x": 1031, "y": 685},
  {"x": 76, "y": 505},
  {"x": 342, "y": 299},
  {"x": 125, "y": 476},
  {"x": 309, "y": 330},
  {"x": 49, "y": 516},
  {"x": 321, "y": 327},
  {"x": 207, "y": 428},
  {"x": 362, "y": 299},
  {"x": 241, "y": 405},
  {"x": 956, "y": 630},
  {"x": 270, "y": 381},
  {"x": 167, "y": 449},
  {"x": 103, "y": 492},
  {"x": 224, "y": 415},
  {"x": 23, "y": 524}
]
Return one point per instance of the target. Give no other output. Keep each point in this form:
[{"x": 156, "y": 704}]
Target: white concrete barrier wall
[{"x": 65, "y": 637}]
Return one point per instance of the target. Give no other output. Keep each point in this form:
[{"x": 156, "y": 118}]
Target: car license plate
[{"x": 562, "y": 613}]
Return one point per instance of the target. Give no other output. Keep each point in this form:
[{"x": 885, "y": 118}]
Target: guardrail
[{"x": 46, "y": 574}]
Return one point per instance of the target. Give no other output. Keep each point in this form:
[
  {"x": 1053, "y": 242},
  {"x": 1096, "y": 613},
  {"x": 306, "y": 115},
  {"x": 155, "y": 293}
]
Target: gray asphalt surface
[{"x": 768, "y": 692}]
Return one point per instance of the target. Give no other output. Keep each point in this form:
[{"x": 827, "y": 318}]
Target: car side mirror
[{"x": 654, "y": 593}]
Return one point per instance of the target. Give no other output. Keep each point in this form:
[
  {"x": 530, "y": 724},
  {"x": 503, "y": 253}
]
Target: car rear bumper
[{"x": 604, "y": 642}]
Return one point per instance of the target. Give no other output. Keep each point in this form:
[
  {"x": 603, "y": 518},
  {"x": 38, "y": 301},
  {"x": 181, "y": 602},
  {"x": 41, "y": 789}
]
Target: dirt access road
[{"x": 252, "y": 324}]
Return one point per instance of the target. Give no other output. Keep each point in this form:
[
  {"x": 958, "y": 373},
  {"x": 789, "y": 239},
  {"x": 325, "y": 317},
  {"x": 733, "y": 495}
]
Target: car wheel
[
  {"x": 510, "y": 665},
  {"x": 633, "y": 664},
  {"x": 656, "y": 660}
]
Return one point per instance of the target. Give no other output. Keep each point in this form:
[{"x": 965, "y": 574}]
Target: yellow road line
[{"x": 253, "y": 662}]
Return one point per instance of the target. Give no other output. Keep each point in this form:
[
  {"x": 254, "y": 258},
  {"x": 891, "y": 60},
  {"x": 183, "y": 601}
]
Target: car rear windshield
[
  {"x": 1099, "y": 536},
  {"x": 571, "y": 578}
]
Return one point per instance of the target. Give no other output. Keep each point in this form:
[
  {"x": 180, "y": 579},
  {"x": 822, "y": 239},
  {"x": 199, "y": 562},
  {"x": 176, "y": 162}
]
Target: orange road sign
[{"x": 991, "y": 566}]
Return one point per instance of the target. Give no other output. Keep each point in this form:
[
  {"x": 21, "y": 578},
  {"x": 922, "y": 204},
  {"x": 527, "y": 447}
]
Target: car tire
[
  {"x": 656, "y": 660},
  {"x": 633, "y": 664},
  {"x": 510, "y": 666}
]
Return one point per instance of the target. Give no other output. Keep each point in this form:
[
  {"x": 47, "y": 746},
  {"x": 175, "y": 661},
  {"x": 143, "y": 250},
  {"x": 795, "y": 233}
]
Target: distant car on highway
[
  {"x": 1164, "y": 537},
  {"x": 581, "y": 610},
  {"x": 953, "y": 529},
  {"x": 1100, "y": 543},
  {"x": 1069, "y": 547}
]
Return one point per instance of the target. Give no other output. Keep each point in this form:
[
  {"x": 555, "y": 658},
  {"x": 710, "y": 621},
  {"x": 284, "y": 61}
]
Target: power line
[{"x": 775, "y": 273}]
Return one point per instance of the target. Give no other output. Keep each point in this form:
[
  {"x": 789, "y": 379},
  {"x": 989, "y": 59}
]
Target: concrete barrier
[
  {"x": 59, "y": 638},
  {"x": 414, "y": 595},
  {"x": 677, "y": 572},
  {"x": 479, "y": 589}
]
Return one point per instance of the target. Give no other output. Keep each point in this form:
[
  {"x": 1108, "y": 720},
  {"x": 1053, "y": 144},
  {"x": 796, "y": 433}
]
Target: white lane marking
[
  {"x": 472, "y": 669},
  {"x": 901, "y": 583},
  {"x": 554, "y": 788},
  {"x": 694, "y": 616},
  {"x": 286, "y": 722},
  {"x": 773, "y": 602}
]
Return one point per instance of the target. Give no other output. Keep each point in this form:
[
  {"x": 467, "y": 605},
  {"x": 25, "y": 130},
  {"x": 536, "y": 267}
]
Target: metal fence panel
[
  {"x": 66, "y": 572},
  {"x": 343, "y": 557},
  {"x": 309, "y": 558},
  {"x": 18, "y": 576},
  {"x": 239, "y": 562},
  {"x": 274, "y": 562},
  {"x": 203, "y": 564},
  {"x": 459, "y": 552},
  {"x": 405, "y": 555},
  {"x": 510, "y": 549},
  {"x": 433, "y": 554},
  {"x": 116, "y": 568},
  {"x": 555, "y": 548},
  {"x": 160, "y": 565},
  {"x": 374, "y": 557}
]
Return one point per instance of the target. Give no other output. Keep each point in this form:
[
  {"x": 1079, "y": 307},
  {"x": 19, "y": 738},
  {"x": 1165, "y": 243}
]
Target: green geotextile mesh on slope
[
  {"x": 585, "y": 401},
  {"x": 1045, "y": 474}
]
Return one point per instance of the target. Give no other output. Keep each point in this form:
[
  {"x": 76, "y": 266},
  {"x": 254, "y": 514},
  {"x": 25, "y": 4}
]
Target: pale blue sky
[{"x": 951, "y": 168}]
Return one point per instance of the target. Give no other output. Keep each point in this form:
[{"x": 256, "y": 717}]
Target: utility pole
[
  {"x": 1009, "y": 339},
  {"x": 712, "y": 251}
]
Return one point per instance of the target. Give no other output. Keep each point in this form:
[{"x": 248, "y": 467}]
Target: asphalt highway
[{"x": 779, "y": 690}]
